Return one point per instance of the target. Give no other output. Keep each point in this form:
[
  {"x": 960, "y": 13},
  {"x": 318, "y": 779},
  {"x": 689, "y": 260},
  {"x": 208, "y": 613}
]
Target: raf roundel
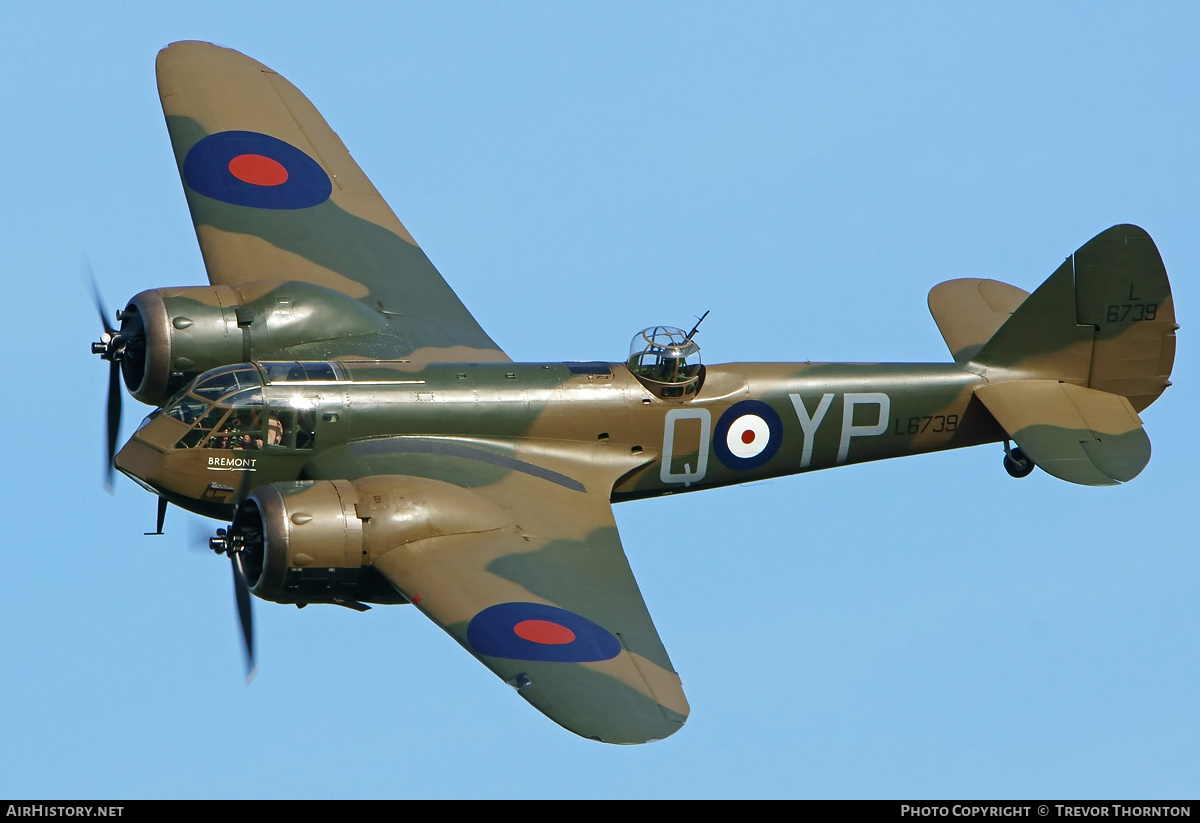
[
  {"x": 748, "y": 434},
  {"x": 245, "y": 168},
  {"x": 535, "y": 631}
]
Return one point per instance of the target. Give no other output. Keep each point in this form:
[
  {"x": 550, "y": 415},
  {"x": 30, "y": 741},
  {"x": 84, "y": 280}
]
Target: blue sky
[{"x": 926, "y": 627}]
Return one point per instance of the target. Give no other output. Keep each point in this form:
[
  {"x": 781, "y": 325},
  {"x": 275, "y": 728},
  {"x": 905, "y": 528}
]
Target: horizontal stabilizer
[
  {"x": 969, "y": 311},
  {"x": 1080, "y": 435}
]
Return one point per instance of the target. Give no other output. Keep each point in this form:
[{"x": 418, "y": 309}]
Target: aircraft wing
[
  {"x": 275, "y": 195},
  {"x": 538, "y": 587}
]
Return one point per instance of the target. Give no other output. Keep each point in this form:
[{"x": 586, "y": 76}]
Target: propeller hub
[
  {"x": 110, "y": 347},
  {"x": 227, "y": 544}
]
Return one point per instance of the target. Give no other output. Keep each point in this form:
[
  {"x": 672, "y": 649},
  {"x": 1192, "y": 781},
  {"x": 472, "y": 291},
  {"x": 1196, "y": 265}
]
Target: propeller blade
[
  {"x": 91, "y": 276},
  {"x": 245, "y": 614},
  {"x": 114, "y": 421},
  {"x": 109, "y": 349}
]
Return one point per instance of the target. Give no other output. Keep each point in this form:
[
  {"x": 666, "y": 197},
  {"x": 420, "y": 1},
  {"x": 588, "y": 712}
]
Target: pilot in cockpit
[{"x": 274, "y": 431}]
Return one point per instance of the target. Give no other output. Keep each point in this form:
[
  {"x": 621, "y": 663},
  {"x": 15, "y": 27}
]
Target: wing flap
[{"x": 1077, "y": 434}]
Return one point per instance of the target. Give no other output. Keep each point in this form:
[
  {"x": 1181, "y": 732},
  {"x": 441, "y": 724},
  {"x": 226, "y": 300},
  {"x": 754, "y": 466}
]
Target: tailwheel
[{"x": 1016, "y": 462}]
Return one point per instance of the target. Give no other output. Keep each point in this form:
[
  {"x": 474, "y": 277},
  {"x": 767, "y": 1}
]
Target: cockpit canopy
[
  {"x": 233, "y": 407},
  {"x": 666, "y": 361}
]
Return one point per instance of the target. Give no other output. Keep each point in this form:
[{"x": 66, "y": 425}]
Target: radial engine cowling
[
  {"x": 171, "y": 335},
  {"x": 314, "y": 541}
]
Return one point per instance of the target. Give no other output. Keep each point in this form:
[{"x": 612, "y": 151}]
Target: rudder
[{"x": 1121, "y": 288}]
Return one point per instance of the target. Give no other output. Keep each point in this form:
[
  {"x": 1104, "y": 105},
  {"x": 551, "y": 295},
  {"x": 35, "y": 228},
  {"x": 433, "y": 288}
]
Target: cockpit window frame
[
  {"x": 250, "y": 395},
  {"x": 218, "y": 383}
]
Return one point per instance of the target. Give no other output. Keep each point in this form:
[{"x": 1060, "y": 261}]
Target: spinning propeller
[
  {"x": 111, "y": 347},
  {"x": 125, "y": 351},
  {"x": 128, "y": 344},
  {"x": 233, "y": 547}
]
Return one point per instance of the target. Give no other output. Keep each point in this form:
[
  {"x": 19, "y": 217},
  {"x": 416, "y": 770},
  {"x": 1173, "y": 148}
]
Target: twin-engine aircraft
[{"x": 331, "y": 396}]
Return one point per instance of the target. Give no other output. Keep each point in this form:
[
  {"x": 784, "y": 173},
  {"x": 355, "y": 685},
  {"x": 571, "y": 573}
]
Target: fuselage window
[
  {"x": 236, "y": 422},
  {"x": 319, "y": 371},
  {"x": 200, "y": 432},
  {"x": 291, "y": 428},
  {"x": 288, "y": 371},
  {"x": 187, "y": 408},
  {"x": 242, "y": 429}
]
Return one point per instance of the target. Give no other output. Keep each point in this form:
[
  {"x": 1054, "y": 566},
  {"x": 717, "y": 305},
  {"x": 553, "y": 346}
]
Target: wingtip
[
  {"x": 186, "y": 62},
  {"x": 198, "y": 50}
]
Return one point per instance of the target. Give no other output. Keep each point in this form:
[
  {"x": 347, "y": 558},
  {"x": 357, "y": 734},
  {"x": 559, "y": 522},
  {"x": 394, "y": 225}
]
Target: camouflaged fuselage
[{"x": 817, "y": 415}]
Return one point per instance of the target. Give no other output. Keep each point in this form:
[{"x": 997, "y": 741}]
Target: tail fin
[
  {"x": 1105, "y": 320},
  {"x": 1076, "y": 361}
]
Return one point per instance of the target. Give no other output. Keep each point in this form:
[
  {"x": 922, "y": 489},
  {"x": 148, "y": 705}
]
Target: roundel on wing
[
  {"x": 246, "y": 168},
  {"x": 535, "y": 631},
  {"x": 748, "y": 434}
]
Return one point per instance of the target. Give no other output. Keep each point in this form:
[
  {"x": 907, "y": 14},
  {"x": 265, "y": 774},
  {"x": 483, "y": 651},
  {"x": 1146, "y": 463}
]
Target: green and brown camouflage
[
  {"x": 351, "y": 242},
  {"x": 372, "y": 445},
  {"x": 1079, "y": 358}
]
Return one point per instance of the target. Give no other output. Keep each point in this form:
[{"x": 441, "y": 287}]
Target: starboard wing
[
  {"x": 527, "y": 573},
  {"x": 275, "y": 196}
]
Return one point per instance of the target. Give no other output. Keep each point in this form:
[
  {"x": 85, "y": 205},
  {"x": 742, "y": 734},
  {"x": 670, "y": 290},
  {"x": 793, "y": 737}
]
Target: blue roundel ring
[
  {"x": 535, "y": 631},
  {"x": 748, "y": 434},
  {"x": 285, "y": 178}
]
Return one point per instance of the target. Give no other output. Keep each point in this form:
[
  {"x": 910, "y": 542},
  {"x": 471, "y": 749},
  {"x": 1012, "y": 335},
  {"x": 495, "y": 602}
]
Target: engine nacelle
[
  {"x": 314, "y": 541},
  {"x": 171, "y": 335}
]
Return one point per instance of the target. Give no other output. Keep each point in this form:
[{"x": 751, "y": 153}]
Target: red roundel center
[
  {"x": 258, "y": 170},
  {"x": 544, "y": 632},
  {"x": 748, "y": 436}
]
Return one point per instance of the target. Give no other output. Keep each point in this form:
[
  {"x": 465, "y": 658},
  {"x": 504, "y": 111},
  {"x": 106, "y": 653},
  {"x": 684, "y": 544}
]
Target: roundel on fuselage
[
  {"x": 245, "y": 168},
  {"x": 748, "y": 434}
]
